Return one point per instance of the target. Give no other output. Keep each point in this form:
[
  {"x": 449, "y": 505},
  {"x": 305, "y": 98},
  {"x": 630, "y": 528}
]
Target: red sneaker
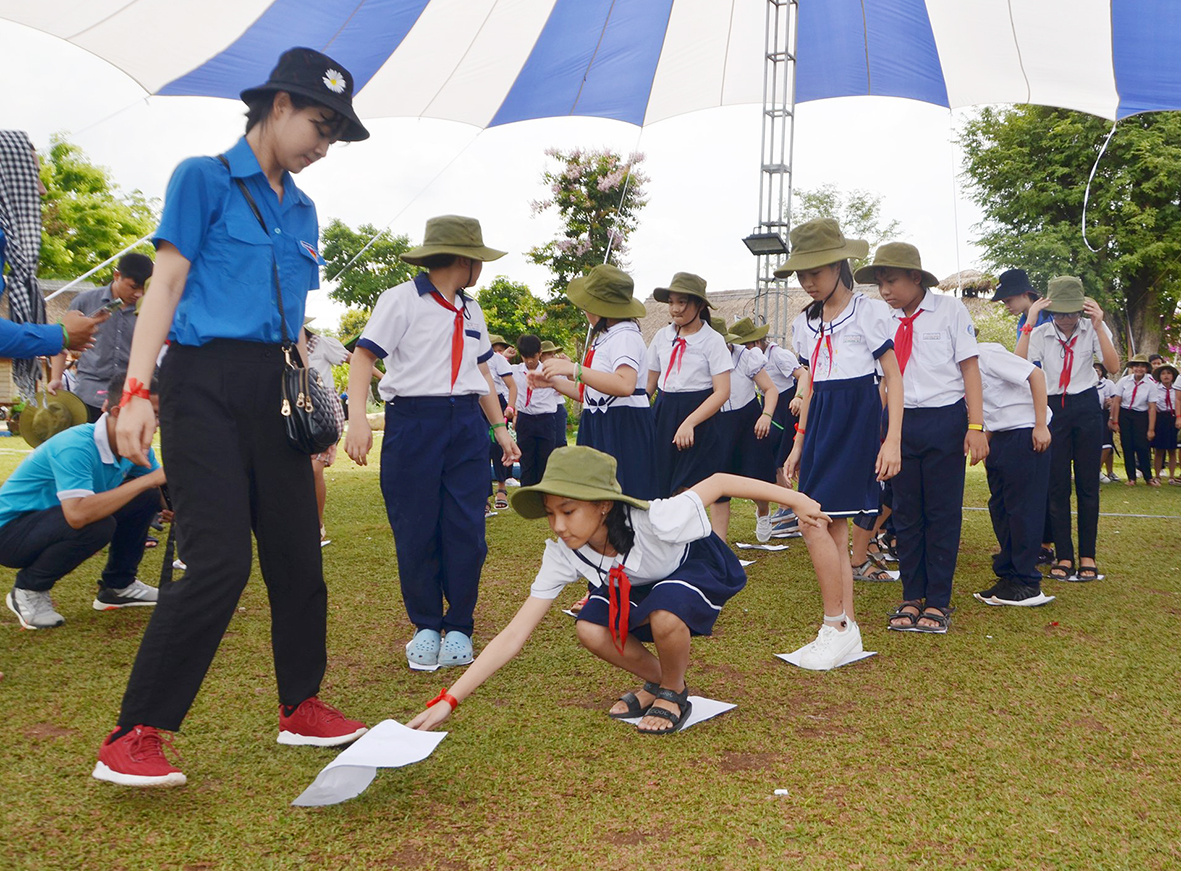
[
  {"x": 318, "y": 725},
  {"x": 137, "y": 759}
]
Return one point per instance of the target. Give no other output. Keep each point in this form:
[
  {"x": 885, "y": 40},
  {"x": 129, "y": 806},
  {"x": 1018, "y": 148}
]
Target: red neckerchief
[
  {"x": 1168, "y": 398},
  {"x": 619, "y": 591},
  {"x": 827, "y": 339},
  {"x": 678, "y": 356},
  {"x": 456, "y": 335},
  {"x": 904, "y": 340},
  {"x": 586, "y": 364},
  {"x": 1135, "y": 387},
  {"x": 1067, "y": 365}
]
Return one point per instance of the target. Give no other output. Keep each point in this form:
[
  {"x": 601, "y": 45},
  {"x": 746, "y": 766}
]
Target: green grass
[{"x": 1044, "y": 738}]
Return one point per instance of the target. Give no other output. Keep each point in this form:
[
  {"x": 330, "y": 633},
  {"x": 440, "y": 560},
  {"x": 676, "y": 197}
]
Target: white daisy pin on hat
[{"x": 334, "y": 81}]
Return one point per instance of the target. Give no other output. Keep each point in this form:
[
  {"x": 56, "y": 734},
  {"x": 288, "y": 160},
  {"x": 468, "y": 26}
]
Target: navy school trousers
[
  {"x": 434, "y": 479},
  {"x": 1018, "y": 484},
  {"x": 929, "y": 499},
  {"x": 1077, "y": 441},
  {"x": 231, "y": 471},
  {"x": 535, "y": 438},
  {"x": 1133, "y": 441},
  {"x": 496, "y": 453}
]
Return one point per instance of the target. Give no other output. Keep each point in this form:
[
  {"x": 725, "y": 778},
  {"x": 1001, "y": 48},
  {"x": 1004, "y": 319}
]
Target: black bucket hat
[
  {"x": 314, "y": 75},
  {"x": 1013, "y": 282}
]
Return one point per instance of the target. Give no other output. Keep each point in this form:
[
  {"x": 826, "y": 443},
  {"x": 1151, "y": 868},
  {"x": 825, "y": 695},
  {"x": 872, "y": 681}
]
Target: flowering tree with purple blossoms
[{"x": 598, "y": 195}]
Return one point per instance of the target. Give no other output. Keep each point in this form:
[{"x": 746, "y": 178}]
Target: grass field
[{"x": 1039, "y": 738}]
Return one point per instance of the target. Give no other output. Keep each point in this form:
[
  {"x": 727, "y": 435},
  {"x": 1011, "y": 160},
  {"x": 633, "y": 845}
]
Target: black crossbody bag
[{"x": 305, "y": 402}]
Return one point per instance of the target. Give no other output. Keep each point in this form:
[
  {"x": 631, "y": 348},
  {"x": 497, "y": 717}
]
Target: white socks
[{"x": 840, "y": 621}]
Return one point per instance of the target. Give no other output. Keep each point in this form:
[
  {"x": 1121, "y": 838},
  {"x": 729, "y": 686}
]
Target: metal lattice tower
[{"x": 775, "y": 174}]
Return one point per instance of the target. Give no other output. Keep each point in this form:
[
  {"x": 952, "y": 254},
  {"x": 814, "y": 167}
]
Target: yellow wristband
[{"x": 979, "y": 427}]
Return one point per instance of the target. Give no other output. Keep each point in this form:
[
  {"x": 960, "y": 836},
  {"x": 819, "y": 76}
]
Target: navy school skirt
[
  {"x": 1165, "y": 438},
  {"x": 678, "y": 470},
  {"x": 695, "y": 592},
  {"x": 625, "y": 433},
  {"x": 784, "y": 438},
  {"x": 841, "y": 446},
  {"x": 743, "y": 453}
]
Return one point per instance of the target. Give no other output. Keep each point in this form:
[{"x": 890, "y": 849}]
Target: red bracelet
[
  {"x": 800, "y": 431},
  {"x": 1027, "y": 329},
  {"x": 133, "y": 387},
  {"x": 444, "y": 696}
]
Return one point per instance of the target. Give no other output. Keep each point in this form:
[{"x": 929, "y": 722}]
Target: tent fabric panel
[
  {"x": 594, "y": 57},
  {"x": 831, "y": 53},
  {"x": 903, "y": 59},
  {"x": 1146, "y": 41}
]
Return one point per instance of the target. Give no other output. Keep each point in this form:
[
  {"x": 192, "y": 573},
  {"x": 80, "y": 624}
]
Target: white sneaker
[
  {"x": 179, "y": 565},
  {"x": 33, "y": 608},
  {"x": 1103, "y": 479},
  {"x": 137, "y": 594},
  {"x": 512, "y": 482},
  {"x": 831, "y": 647},
  {"x": 763, "y": 527}
]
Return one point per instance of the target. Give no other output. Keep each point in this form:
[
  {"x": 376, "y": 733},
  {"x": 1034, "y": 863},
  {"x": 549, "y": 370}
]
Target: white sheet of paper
[
  {"x": 787, "y": 535},
  {"x": 746, "y": 562},
  {"x": 389, "y": 744},
  {"x": 794, "y": 657},
  {"x": 703, "y": 709},
  {"x": 1033, "y": 602},
  {"x": 571, "y": 613},
  {"x": 772, "y": 547}
]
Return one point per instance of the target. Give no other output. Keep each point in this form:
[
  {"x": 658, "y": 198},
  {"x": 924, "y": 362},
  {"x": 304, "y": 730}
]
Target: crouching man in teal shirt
[{"x": 71, "y": 497}]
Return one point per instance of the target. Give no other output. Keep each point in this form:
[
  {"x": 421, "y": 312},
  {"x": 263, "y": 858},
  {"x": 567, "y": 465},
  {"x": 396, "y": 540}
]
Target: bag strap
[{"x": 274, "y": 264}]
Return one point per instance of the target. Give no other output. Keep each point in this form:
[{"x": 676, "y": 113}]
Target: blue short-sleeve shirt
[
  {"x": 73, "y": 464},
  {"x": 230, "y": 291}
]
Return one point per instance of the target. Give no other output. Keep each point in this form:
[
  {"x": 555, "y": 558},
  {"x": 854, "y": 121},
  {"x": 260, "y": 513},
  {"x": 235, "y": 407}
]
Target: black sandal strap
[
  {"x": 676, "y": 698},
  {"x": 665, "y": 714}
]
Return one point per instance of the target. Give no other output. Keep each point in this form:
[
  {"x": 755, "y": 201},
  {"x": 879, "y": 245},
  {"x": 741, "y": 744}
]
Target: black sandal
[
  {"x": 634, "y": 709},
  {"x": 1045, "y": 556},
  {"x": 1087, "y": 573},
  {"x": 941, "y": 618},
  {"x": 681, "y": 700},
  {"x": 1060, "y": 572},
  {"x": 870, "y": 571},
  {"x": 899, "y": 614}
]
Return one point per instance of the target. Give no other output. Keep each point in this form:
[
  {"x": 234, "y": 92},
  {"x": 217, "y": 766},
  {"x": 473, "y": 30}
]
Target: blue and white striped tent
[{"x": 491, "y": 62}]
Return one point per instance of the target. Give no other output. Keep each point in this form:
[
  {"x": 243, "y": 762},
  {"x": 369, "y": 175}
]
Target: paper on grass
[
  {"x": 746, "y": 562},
  {"x": 794, "y": 657},
  {"x": 773, "y": 547},
  {"x": 703, "y": 709},
  {"x": 389, "y": 744}
]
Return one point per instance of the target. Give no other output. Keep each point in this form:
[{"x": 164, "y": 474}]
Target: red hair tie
[{"x": 444, "y": 696}]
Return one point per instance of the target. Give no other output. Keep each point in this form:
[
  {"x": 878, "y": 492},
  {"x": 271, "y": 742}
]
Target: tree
[
  {"x": 351, "y": 323},
  {"x": 85, "y": 219},
  {"x": 378, "y": 268},
  {"x": 859, "y": 213},
  {"x": 1027, "y": 168},
  {"x": 510, "y": 309},
  {"x": 598, "y": 196}
]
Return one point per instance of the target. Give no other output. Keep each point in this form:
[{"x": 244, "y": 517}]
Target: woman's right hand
[
  {"x": 359, "y": 440},
  {"x": 134, "y": 430},
  {"x": 431, "y": 717},
  {"x": 792, "y": 466}
]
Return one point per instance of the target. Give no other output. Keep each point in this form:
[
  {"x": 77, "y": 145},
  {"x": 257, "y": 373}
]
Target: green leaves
[{"x": 377, "y": 269}]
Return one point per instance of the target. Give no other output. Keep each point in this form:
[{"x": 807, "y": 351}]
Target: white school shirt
[
  {"x": 663, "y": 534},
  {"x": 1106, "y": 389},
  {"x": 412, "y": 333},
  {"x": 705, "y": 356},
  {"x": 620, "y": 345},
  {"x": 748, "y": 362},
  {"x": 498, "y": 367},
  {"x": 781, "y": 364},
  {"x": 944, "y": 336},
  {"x": 324, "y": 353},
  {"x": 1045, "y": 350},
  {"x": 1144, "y": 391},
  {"x": 850, "y": 345},
  {"x": 1166, "y": 398},
  {"x": 1008, "y": 398},
  {"x": 539, "y": 400}
]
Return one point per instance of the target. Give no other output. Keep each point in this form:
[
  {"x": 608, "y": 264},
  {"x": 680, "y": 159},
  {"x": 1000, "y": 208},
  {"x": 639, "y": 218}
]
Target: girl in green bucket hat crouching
[{"x": 655, "y": 571}]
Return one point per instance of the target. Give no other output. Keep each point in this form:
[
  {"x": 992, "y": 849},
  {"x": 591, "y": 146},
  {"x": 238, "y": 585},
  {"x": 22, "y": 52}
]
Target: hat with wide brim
[
  {"x": 744, "y": 331},
  {"x": 548, "y": 347},
  {"x": 1066, "y": 295},
  {"x": 683, "y": 282},
  {"x": 1012, "y": 282},
  {"x": 452, "y": 234},
  {"x": 895, "y": 255},
  {"x": 49, "y": 415},
  {"x": 817, "y": 243},
  {"x": 1156, "y": 372},
  {"x": 606, "y": 291},
  {"x": 719, "y": 326},
  {"x": 318, "y": 77},
  {"x": 1138, "y": 359},
  {"x": 496, "y": 339},
  {"x": 580, "y": 473}
]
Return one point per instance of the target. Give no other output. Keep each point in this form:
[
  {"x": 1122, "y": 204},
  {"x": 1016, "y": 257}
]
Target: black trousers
[
  {"x": 1018, "y": 481},
  {"x": 1133, "y": 441},
  {"x": 1077, "y": 441},
  {"x": 230, "y": 472},
  {"x": 500, "y": 471},
  {"x": 535, "y": 438},
  {"x": 929, "y": 500},
  {"x": 45, "y": 548}
]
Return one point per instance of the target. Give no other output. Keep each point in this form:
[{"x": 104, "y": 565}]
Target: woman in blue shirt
[{"x": 231, "y": 469}]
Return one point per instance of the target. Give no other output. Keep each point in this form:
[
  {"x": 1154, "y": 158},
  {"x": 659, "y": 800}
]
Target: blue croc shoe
[
  {"x": 422, "y": 653},
  {"x": 457, "y": 649}
]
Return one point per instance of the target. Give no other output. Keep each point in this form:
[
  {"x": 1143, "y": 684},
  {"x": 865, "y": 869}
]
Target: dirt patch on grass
[
  {"x": 628, "y": 839},
  {"x": 39, "y": 731},
  {"x": 731, "y": 761},
  {"x": 413, "y": 857}
]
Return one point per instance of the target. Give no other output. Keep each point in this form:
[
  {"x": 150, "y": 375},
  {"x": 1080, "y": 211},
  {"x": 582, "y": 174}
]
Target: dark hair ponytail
[
  {"x": 620, "y": 534},
  {"x": 815, "y": 309}
]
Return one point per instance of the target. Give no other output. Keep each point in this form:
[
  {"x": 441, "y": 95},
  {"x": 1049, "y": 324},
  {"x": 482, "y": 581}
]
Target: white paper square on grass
[
  {"x": 703, "y": 709},
  {"x": 794, "y": 657},
  {"x": 389, "y": 744},
  {"x": 771, "y": 547}
]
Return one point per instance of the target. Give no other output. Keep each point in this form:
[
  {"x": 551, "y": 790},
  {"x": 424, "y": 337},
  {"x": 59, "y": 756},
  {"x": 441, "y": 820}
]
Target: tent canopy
[{"x": 491, "y": 62}]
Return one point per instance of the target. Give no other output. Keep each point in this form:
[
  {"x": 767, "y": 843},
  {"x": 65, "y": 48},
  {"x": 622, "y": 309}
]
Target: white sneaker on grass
[
  {"x": 831, "y": 647},
  {"x": 33, "y": 608},
  {"x": 137, "y": 594},
  {"x": 763, "y": 528},
  {"x": 179, "y": 565}
]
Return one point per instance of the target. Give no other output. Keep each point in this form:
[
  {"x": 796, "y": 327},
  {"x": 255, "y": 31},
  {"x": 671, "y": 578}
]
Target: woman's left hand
[
  {"x": 975, "y": 446},
  {"x": 512, "y": 452},
  {"x": 556, "y": 367},
  {"x": 433, "y": 716},
  {"x": 889, "y": 460},
  {"x": 683, "y": 438},
  {"x": 762, "y": 426}
]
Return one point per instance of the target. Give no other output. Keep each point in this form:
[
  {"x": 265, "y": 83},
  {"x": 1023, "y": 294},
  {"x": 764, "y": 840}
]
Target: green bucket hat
[
  {"x": 50, "y": 415},
  {"x": 496, "y": 339},
  {"x": 548, "y": 347},
  {"x": 1161, "y": 368},
  {"x": 580, "y": 473},
  {"x": 744, "y": 331},
  {"x": 683, "y": 282},
  {"x": 820, "y": 242},
  {"x": 719, "y": 326},
  {"x": 1065, "y": 293},
  {"x": 1139, "y": 358},
  {"x": 452, "y": 234},
  {"x": 896, "y": 255},
  {"x": 606, "y": 291}
]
